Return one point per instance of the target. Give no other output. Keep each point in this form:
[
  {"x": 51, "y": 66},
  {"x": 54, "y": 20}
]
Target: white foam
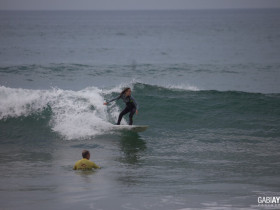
[
  {"x": 183, "y": 87},
  {"x": 75, "y": 114},
  {"x": 20, "y": 102}
]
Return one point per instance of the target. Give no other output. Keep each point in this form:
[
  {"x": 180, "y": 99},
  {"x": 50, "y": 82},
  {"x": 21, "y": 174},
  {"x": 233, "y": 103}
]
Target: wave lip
[
  {"x": 22, "y": 102},
  {"x": 74, "y": 114},
  {"x": 183, "y": 87},
  {"x": 134, "y": 84}
]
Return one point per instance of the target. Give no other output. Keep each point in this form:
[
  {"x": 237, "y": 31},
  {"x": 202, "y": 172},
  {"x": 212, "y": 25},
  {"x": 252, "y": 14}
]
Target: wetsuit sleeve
[
  {"x": 114, "y": 99},
  {"x": 134, "y": 101}
]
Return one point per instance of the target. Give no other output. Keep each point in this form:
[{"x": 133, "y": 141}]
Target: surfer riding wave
[{"x": 131, "y": 105}]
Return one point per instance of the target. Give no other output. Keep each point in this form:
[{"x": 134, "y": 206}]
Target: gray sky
[{"x": 133, "y": 4}]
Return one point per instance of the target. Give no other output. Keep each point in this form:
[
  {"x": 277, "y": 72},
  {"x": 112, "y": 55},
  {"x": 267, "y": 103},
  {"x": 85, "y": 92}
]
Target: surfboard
[{"x": 135, "y": 128}]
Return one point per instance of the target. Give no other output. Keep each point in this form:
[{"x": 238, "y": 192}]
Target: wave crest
[{"x": 75, "y": 114}]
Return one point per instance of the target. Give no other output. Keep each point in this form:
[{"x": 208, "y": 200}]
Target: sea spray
[{"x": 75, "y": 114}]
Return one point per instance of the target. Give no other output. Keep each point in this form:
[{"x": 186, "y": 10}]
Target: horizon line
[{"x": 124, "y": 10}]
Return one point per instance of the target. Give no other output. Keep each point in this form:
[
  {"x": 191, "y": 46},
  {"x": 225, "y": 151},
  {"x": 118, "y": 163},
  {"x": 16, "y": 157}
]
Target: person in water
[
  {"x": 131, "y": 105},
  {"x": 85, "y": 163}
]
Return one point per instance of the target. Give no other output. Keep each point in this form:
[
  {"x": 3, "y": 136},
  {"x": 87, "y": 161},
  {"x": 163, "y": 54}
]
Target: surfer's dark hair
[
  {"x": 124, "y": 90},
  {"x": 85, "y": 153}
]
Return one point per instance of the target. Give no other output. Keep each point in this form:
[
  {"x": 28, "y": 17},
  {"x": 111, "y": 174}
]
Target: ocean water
[{"x": 207, "y": 83}]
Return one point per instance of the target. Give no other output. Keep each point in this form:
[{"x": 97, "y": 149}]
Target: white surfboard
[{"x": 136, "y": 128}]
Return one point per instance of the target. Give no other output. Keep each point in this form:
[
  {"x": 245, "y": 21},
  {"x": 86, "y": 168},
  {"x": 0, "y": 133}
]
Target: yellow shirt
[{"x": 85, "y": 164}]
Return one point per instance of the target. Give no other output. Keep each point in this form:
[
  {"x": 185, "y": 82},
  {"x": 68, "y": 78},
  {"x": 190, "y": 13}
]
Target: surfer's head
[
  {"x": 126, "y": 91},
  {"x": 86, "y": 154}
]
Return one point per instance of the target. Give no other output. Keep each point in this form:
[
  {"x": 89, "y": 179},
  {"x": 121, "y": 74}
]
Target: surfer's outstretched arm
[{"x": 114, "y": 99}]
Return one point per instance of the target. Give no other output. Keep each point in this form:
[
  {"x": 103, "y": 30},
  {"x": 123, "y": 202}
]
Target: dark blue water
[{"x": 207, "y": 83}]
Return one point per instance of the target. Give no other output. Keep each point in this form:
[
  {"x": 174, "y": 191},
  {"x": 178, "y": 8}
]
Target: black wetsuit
[{"x": 131, "y": 106}]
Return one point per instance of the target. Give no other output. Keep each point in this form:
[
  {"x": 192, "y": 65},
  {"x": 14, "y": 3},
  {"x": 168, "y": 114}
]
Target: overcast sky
[{"x": 133, "y": 4}]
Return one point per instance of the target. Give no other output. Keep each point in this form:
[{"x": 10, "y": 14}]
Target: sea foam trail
[{"x": 74, "y": 114}]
